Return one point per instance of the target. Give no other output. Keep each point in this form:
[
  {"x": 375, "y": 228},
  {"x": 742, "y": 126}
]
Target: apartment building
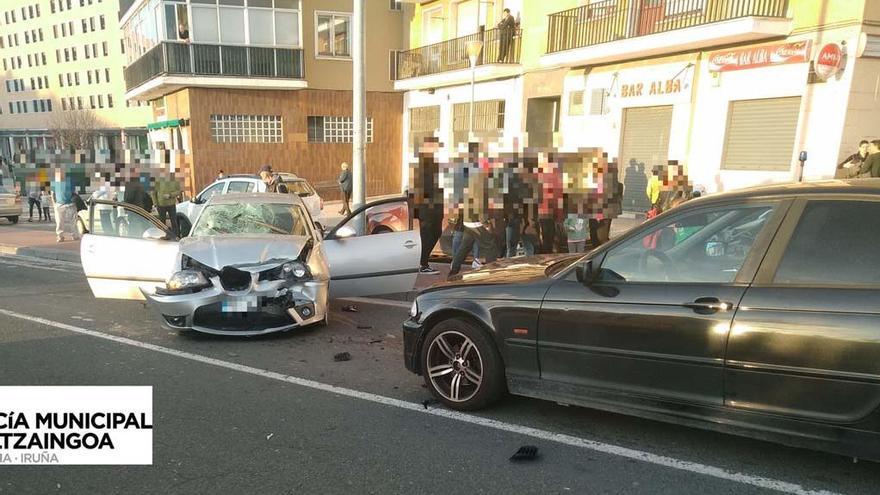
[
  {"x": 735, "y": 91},
  {"x": 61, "y": 57},
  {"x": 242, "y": 83}
]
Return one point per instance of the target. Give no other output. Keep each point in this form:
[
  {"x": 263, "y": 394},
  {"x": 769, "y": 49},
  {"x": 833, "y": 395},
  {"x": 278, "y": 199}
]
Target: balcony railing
[
  {"x": 500, "y": 46},
  {"x": 196, "y": 59},
  {"x": 614, "y": 20}
]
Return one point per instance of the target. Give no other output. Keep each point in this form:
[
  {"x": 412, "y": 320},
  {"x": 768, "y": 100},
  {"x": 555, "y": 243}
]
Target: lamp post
[{"x": 474, "y": 48}]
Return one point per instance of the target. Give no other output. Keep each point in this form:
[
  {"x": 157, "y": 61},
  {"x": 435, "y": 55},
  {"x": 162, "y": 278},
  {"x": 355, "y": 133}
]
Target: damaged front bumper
[{"x": 265, "y": 307}]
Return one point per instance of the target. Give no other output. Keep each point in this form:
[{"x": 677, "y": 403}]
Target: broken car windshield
[{"x": 251, "y": 218}]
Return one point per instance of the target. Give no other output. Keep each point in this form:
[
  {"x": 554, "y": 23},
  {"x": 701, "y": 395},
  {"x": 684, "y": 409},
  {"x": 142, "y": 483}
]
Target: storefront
[{"x": 639, "y": 113}]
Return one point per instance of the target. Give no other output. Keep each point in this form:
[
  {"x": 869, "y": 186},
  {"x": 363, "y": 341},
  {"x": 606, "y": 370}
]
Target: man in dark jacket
[
  {"x": 135, "y": 194},
  {"x": 345, "y": 185},
  {"x": 871, "y": 165},
  {"x": 506, "y": 30}
]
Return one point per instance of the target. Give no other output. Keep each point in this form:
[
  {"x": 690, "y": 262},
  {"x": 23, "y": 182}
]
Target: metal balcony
[
  {"x": 170, "y": 58},
  {"x": 500, "y": 46}
]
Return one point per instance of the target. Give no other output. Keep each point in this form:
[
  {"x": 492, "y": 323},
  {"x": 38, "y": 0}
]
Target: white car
[
  {"x": 188, "y": 211},
  {"x": 10, "y": 204},
  {"x": 254, "y": 263}
]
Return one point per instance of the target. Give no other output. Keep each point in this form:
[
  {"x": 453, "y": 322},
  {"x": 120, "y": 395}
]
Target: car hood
[
  {"x": 242, "y": 251},
  {"x": 512, "y": 271}
]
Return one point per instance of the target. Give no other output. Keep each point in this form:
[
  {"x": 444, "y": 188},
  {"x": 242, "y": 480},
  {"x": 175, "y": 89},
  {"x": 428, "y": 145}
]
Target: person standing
[
  {"x": 871, "y": 166},
  {"x": 135, "y": 194},
  {"x": 850, "y": 167},
  {"x": 345, "y": 185},
  {"x": 653, "y": 192},
  {"x": 506, "y": 30},
  {"x": 576, "y": 229},
  {"x": 474, "y": 232},
  {"x": 65, "y": 210},
  {"x": 46, "y": 203},
  {"x": 34, "y": 200},
  {"x": 167, "y": 194},
  {"x": 428, "y": 204}
]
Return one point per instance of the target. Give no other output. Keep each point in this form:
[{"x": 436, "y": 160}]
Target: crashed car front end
[{"x": 278, "y": 292}]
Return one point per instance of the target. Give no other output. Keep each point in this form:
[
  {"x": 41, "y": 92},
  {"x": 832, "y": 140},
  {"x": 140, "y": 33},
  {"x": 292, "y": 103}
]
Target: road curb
[{"x": 41, "y": 253}]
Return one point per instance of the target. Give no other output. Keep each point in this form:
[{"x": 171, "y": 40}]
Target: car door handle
[
  {"x": 409, "y": 244},
  {"x": 708, "y": 305}
]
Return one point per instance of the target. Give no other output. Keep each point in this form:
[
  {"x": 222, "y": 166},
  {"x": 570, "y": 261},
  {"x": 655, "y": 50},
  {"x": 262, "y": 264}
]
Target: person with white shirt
[{"x": 46, "y": 204}]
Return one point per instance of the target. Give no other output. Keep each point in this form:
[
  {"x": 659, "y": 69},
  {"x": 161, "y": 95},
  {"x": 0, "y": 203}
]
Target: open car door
[
  {"x": 126, "y": 250},
  {"x": 382, "y": 259}
]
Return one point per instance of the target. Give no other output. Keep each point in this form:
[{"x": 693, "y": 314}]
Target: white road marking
[
  {"x": 381, "y": 302},
  {"x": 40, "y": 264},
  {"x": 615, "y": 450}
]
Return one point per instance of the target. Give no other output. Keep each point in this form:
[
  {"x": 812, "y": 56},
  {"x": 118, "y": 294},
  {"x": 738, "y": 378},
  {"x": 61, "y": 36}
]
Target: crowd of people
[{"x": 864, "y": 163}]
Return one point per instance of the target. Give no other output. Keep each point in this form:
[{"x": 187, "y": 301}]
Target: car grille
[
  {"x": 234, "y": 279},
  {"x": 212, "y": 316}
]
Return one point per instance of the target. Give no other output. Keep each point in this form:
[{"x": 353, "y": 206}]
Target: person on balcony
[
  {"x": 182, "y": 32},
  {"x": 506, "y": 30}
]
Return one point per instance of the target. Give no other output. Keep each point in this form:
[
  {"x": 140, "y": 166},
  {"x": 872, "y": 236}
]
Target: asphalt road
[{"x": 259, "y": 415}]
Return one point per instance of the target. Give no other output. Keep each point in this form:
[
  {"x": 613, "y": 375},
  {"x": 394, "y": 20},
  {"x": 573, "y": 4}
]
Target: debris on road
[
  {"x": 351, "y": 308},
  {"x": 428, "y": 402},
  {"x": 525, "y": 453},
  {"x": 364, "y": 327},
  {"x": 342, "y": 356},
  {"x": 269, "y": 436},
  {"x": 377, "y": 341}
]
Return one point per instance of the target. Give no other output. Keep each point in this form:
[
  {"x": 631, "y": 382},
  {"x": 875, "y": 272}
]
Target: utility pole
[{"x": 359, "y": 119}]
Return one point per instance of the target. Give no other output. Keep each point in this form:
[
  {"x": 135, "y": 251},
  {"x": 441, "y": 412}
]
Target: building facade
[
  {"x": 59, "y": 58},
  {"x": 735, "y": 91},
  {"x": 242, "y": 83}
]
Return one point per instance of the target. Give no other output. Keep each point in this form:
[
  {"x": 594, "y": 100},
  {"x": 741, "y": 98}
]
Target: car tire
[
  {"x": 183, "y": 226},
  {"x": 13, "y": 219},
  {"x": 478, "y": 372},
  {"x": 81, "y": 227}
]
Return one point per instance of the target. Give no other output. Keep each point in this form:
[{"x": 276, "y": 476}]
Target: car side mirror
[
  {"x": 345, "y": 231},
  {"x": 585, "y": 272},
  {"x": 155, "y": 234}
]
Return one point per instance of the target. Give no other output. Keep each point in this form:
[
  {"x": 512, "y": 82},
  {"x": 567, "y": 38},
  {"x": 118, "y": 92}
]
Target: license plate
[{"x": 240, "y": 305}]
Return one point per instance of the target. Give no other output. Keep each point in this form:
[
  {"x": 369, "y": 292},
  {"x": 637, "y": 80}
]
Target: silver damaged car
[{"x": 253, "y": 263}]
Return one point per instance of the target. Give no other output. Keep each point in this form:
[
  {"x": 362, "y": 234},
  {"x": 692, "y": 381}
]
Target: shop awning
[{"x": 167, "y": 123}]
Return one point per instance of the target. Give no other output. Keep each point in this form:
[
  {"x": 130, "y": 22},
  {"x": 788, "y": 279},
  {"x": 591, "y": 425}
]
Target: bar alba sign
[{"x": 760, "y": 56}]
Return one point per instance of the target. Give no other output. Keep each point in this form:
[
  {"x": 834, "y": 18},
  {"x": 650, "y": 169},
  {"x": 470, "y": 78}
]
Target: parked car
[
  {"x": 753, "y": 312},
  {"x": 253, "y": 264},
  {"x": 10, "y": 204},
  {"x": 188, "y": 211}
]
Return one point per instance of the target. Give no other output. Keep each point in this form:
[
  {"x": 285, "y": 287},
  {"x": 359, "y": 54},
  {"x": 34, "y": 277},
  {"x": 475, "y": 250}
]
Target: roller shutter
[
  {"x": 761, "y": 134},
  {"x": 645, "y": 144}
]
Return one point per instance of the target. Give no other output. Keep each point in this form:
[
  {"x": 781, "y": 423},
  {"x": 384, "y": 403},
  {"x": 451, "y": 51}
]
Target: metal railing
[
  {"x": 199, "y": 59},
  {"x": 613, "y": 20},
  {"x": 500, "y": 46}
]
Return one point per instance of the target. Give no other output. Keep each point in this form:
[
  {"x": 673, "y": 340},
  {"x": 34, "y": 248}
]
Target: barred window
[
  {"x": 324, "y": 129},
  {"x": 424, "y": 122},
  {"x": 488, "y": 119},
  {"x": 247, "y": 129}
]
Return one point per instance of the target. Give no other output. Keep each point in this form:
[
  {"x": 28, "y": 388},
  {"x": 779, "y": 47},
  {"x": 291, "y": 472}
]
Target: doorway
[{"x": 542, "y": 120}]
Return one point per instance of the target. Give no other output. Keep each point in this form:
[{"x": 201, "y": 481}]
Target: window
[
  {"x": 52, "y": 6},
  {"x": 204, "y": 24},
  {"x": 89, "y": 76},
  {"x": 92, "y": 101},
  {"x": 100, "y": 101},
  {"x": 818, "y": 255},
  {"x": 86, "y": 48},
  {"x": 332, "y": 38},
  {"x": 598, "y": 105},
  {"x": 102, "y": 22},
  {"x": 91, "y": 23},
  {"x": 106, "y": 75},
  {"x": 105, "y": 48},
  {"x": 63, "y": 104},
  {"x": 79, "y": 102},
  {"x": 424, "y": 122},
  {"x": 109, "y": 101},
  {"x": 395, "y": 5},
  {"x": 703, "y": 246},
  {"x": 488, "y": 118},
  {"x": 247, "y": 128},
  {"x": 212, "y": 191},
  {"x": 69, "y": 79},
  {"x": 239, "y": 186},
  {"x": 335, "y": 129},
  {"x": 66, "y": 55},
  {"x": 760, "y": 134},
  {"x": 43, "y": 58},
  {"x": 85, "y": 26},
  {"x": 97, "y": 76},
  {"x": 261, "y": 26},
  {"x": 576, "y": 102},
  {"x": 76, "y": 77}
]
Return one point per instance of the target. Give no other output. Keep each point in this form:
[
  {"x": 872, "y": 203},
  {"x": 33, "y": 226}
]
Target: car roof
[
  {"x": 270, "y": 198},
  {"x": 851, "y": 186}
]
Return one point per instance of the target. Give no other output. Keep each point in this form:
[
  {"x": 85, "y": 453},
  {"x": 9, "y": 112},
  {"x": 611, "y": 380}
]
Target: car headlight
[
  {"x": 294, "y": 270},
  {"x": 187, "y": 279},
  {"x": 414, "y": 310}
]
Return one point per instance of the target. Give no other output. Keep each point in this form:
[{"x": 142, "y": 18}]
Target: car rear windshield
[
  {"x": 300, "y": 188},
  {"x": 251, "y": 218}
]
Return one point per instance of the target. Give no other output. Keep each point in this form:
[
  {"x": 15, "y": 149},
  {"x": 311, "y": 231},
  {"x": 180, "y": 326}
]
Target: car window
[
  {"x": 251, "y": 218},
  {"x": 703, "y": 246},
  {"x": 301, "y": 188},
  {"x": 240, "y": 186},
  {"x": 834, "y": 243},
  {"x": 384, "y": 218},
  {"x": 119, "y": 222},
  {"x": 212, "y": 191}
]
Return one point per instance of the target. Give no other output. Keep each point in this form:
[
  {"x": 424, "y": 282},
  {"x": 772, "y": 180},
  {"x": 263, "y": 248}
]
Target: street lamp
[{"x": 473, "y": 51}]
